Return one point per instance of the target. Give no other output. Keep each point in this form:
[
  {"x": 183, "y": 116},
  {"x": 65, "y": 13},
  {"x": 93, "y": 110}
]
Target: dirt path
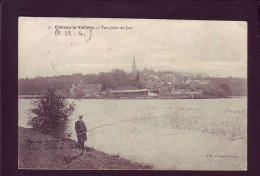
[{"x": 39, "y": 151}]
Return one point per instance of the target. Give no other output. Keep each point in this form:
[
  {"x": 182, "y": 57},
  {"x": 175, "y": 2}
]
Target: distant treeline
[
  {"x": 119, "y": 79},
  {"x": 63, "y": 83}
]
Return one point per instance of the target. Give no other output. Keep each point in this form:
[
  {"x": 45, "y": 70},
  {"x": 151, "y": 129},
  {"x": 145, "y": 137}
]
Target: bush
[{"x": 50, "y": 114}]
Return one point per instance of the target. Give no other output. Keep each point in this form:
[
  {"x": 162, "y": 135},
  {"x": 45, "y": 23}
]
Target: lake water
[{"x": 201, "y": 134}]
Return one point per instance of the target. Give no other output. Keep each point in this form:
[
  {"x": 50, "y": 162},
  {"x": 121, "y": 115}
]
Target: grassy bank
[{"x": 40, "y": 151}]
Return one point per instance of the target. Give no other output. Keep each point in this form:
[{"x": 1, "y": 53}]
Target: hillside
[
  {"x": 39, "y": 151},
  {"x": 166, "y": 82}
]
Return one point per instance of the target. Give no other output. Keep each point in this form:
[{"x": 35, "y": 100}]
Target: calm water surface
[{"x": 146, "y": 132}]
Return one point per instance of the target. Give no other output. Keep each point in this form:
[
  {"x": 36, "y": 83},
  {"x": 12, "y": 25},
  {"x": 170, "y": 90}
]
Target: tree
[
  {"x": 137, "y": 77},
  {"x": 107, "y": 81},
  {"x": 226, "y": 90},
  {"x": 50, "y": 114}
]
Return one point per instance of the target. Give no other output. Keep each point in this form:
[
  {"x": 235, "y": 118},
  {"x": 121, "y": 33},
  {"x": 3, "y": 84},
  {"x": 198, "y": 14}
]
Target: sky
[{"x": 215, "y": 48}]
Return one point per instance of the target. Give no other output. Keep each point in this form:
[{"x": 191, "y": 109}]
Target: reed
[{"x": 231, "y": 124}]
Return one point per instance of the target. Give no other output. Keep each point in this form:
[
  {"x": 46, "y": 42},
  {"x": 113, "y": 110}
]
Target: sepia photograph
[{"x": 132, "y": 94}]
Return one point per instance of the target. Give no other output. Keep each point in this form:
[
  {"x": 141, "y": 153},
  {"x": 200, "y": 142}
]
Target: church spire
[{"x": 134, "y": 70}]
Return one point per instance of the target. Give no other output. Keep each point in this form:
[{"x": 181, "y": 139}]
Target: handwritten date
[{"x": 87, "y": 34}]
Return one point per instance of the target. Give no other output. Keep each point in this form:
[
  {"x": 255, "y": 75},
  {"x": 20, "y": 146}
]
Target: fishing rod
[{"x": 109, "y": 124}]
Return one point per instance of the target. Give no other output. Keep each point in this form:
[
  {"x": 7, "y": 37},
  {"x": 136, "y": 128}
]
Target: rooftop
[{"x": 135, "y": 90}]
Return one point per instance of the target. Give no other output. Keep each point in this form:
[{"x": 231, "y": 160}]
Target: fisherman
[{"x": 81, "y": 130}]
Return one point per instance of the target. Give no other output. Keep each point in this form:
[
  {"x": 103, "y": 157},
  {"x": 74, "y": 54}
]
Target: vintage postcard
[{"x": 132, "y": 94}]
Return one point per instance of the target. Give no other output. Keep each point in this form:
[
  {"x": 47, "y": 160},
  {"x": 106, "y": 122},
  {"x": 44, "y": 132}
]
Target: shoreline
[
  {"x": 147, "y": 98},
  {"x": 42, "y": 151}
]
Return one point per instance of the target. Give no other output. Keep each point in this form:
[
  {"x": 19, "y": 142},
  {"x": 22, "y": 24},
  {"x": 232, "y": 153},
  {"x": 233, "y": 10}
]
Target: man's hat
[{"x": 81, "y": 116}]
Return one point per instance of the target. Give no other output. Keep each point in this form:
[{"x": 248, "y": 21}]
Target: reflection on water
[{"x": 170, "y": 134}]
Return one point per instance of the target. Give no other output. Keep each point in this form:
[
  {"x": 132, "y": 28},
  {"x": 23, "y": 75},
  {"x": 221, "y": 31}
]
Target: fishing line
[{"x": 120, "y": 122}]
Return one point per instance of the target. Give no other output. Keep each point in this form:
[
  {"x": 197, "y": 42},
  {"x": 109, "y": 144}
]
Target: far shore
[
  {"x": 41, "y": 151},
  {"x": 149, "y": 98}
]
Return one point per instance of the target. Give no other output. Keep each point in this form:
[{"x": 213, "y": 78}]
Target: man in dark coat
[{"x": 81, "y": 130}]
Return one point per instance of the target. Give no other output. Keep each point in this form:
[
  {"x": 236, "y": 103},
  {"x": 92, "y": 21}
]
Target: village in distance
[{"x": 146, "y": 84}]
